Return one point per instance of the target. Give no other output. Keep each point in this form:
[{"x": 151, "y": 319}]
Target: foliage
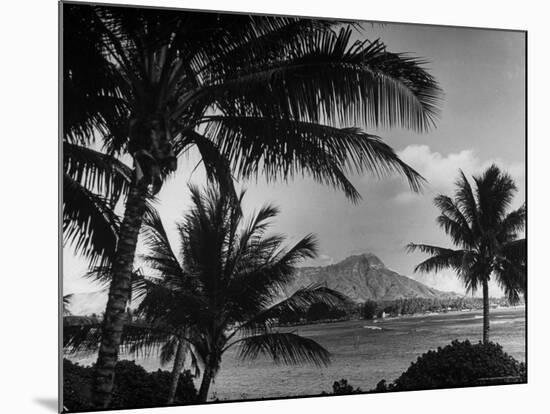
[
  {"x": 369, "y": 309},
  {"x": 411, "y": 306},
  {"x": 254, "y": 95},
  {"x": 226, "y": 284},
  {"x": 460, "y": 364},
  {"x": 322, "y": 311},
  {"x": 93, "y": 180},
  {"x": 487, "y": 235},
  {"x": 134, "y": 387},
  {"x": 343, "y": 388},
  {"x": 66, "y": 301},
  {"x": 270, "y": 91},
  {"x": 151, "y": 84}
]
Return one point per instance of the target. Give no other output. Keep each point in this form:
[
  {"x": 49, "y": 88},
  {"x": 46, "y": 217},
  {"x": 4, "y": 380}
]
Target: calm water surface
[{"x": 363, "y": 352}]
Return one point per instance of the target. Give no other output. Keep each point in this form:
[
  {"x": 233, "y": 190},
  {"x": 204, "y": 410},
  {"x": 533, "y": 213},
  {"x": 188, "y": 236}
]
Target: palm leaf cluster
[
  {"x": 486, "y": 234},
  {"x": 141, "y": 338},
  {"x": 93, "y": 181},
  {"x": 254, "y": 95},
  {"x": 225, "y": 285},
  {"x": 224, "y": 288}
]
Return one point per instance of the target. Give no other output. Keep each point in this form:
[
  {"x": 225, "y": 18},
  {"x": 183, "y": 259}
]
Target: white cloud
[
  {"x": 321, "y": 260},
  {"x": 441, "y": 171},
  {"x": 447, "y": 281}
]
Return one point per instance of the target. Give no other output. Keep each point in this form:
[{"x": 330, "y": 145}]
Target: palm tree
[
  {"x": 66, "y": 303},
  {"x": 486, "y": 235},
  {"x": 225, "y": 284},
  {"x": 93, "y": 181},
  {"x": 254, "y": 95},
  {"x": 82, "y": 336}
]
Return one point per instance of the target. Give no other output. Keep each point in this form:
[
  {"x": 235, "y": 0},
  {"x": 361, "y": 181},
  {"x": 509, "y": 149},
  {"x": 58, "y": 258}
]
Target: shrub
[
  {"x": 322, "y": 311},
  {"x": 343, "y": 388},
  {"x": 134, "y": 387},
  {"x": 369, "y": 309},
  {"x": 459, "y": 364}
]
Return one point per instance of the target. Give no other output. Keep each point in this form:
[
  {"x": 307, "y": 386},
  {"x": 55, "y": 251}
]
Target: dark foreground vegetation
[
  {"x": 460, "y": 364},
  {"x": 133, "y": 388}
]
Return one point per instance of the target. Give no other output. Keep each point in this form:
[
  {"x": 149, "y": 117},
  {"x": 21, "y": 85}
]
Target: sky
[{"x": 482, "y": 121}]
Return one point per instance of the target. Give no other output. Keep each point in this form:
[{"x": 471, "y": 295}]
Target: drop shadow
[{"x": 49, "y": 403}]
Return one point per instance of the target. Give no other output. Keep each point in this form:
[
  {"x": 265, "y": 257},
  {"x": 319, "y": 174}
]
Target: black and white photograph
[{"x": 260, "y": 207}]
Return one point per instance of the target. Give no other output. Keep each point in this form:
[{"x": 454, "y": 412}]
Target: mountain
[
  {"x": 360, "y": 277},
  {"x": 365, "y": 277}
]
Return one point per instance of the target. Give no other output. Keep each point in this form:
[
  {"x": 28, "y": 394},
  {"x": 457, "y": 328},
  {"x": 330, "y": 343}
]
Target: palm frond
[
  {"x": 512, "y": 224},
  {"x": 476, "y": 220},
  {"x": 441, "y": 258},
  {"x": 253, "y": 288},
  {"x": 91, "y": 83},
  {"x": 89, "y": 222},
  {"x": 515, "y": 250},
  {"x": 160, "y": 256},
  {"x": 302, "y": 299},
  {"x": 454, "y": 222},
  {"x": 495, "y": 192},
  {"x": 217, "y": 167},
  {"x": 466, "y": 201},
  {"x": 327, "y": 78},
  {"x": 96, "y": 171},
  {"x": 299, "y": 302},
  {"x": 168, "y": 350},
  {"x": 511, "y": 276},
  {"x": 281, "y": 35},
  {"x": 81, "y": 334},
  {"x": 473, "y": 271},
  {"x": 145, "y": 341},
  {"x": 510, "y": 269},
  {"x": 285, "y": 348},
  {"x": 283, "y": 147},
  {"x": 66, "y": 303},
  {"x": 461, "y": 236}
]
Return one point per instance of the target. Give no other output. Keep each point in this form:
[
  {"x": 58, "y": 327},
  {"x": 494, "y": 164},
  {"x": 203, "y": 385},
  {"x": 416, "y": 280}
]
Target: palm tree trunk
[
  {"x": 179, "y": 362},
  {"x": 119, "y": 294},
  {"x": 205, "y": 383},
  {"x": 485, "y": 311}
]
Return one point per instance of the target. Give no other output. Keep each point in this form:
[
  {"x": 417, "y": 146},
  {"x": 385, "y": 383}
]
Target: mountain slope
[{"x": 365, "y": 277}]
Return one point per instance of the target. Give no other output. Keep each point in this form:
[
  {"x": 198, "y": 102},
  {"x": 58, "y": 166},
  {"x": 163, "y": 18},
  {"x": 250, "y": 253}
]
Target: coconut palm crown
[
  {"x": 486, "y": 234},
  {"x": 253, "y": 95},
  {"x": 227, "y": 285}
]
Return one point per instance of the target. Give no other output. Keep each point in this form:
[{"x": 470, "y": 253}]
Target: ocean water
[{"x": 363, "y": 352}]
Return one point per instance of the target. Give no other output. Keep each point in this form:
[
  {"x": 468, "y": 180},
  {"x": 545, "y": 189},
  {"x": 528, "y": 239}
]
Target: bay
[{"x": 363, "y": 352}]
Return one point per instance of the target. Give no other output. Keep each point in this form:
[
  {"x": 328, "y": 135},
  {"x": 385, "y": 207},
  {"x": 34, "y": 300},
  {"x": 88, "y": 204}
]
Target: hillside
[
  {"x": 361, "y": 277},
  {"x": 365, "y": 277}
]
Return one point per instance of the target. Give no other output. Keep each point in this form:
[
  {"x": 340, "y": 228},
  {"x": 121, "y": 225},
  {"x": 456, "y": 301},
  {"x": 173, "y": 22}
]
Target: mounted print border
[{"x": 264, "y": 207}]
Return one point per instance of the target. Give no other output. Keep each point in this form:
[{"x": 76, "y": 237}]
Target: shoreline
[{"x": 406, "y": 316}]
